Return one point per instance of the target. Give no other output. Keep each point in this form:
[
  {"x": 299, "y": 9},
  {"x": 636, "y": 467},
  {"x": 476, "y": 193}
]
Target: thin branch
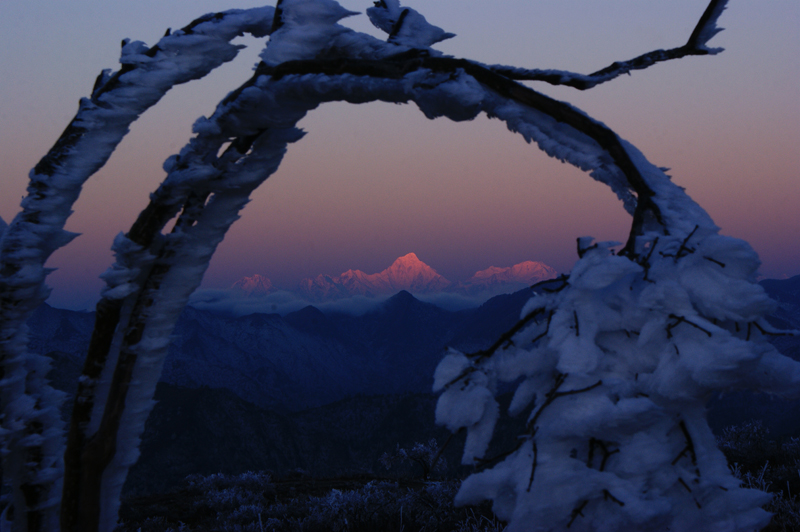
[
  {"x": 773, "y": 333},
  {"x": 577, "y": 512},
  {"x": 606, "y": 455},
  {"x": 703, "y": 31},
  {"x": 646, "y": 262},
  {"x": 543, "y": 285},
  {"x": 681, "y": 319},
  {"x": 398, "y": 25},
  {"x": 484, "y": 463},
  {"x": 595, "y": 443},
  {"x": 689, "y": 447},
  {"x": 582, "y": 251},
  {"x": 549, "y": 398},
  {"x": 546, "y": 329},
  {"x": 607, "y": 495},
  {"x": 685, "y": 485},
  {"x": 534, "y": 463},
  {"x": 446, "y": 443},
  {"x": 581, "y": 390},
  {"x": 685, "y": 249},
  {"x": 506, "y": 336},
  {"x": 715, "y": 261}
]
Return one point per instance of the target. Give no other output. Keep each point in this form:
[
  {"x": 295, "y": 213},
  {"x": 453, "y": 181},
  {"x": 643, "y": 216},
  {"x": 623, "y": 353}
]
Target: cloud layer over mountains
[{"x": 356, "y": 292}]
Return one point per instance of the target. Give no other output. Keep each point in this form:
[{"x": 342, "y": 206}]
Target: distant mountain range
[
  {"x": 250, "y": 392},
  {"x": 330, "y": 392},
  {"x": 406, "y": 273}
]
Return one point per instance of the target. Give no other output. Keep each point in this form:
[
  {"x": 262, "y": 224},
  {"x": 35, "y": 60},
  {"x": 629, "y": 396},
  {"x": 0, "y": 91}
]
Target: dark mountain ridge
[
  {"x": 324, "y": 392},
  {"x": 304, "y": 359}
]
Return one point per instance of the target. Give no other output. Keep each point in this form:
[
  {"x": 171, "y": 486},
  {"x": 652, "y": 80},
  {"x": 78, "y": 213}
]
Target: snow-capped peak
[
  {"x": 257, "y": 285},
  {"x": 405, "y": 273},
  {"x": 528, "y": 272},
  {"x": 410, "y": 273}
]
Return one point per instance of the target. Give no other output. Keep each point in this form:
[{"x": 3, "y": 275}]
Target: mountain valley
[{"x": 325, "y": 392}]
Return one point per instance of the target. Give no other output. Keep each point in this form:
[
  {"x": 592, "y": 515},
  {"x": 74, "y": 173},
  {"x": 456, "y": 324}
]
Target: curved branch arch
[
  {"x": 312, "y": 60},
  {"x": 259, "y": 120}
]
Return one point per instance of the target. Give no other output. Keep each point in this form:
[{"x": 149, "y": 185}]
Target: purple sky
[{"x": 372, "y": 182}]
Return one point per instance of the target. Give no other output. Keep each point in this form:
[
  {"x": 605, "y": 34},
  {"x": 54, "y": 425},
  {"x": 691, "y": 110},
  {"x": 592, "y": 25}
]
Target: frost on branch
[
  {"x": 612, "y": 366},
  {"x": 613, "y": 377},
  {"x": 405, "y": 26},
  {"x": 32, "y": 442},
  {"x": 705, "y": 29}
]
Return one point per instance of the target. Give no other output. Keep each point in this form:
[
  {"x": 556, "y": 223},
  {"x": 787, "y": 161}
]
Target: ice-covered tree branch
[
  {"x": 696, "y": 45},
  {"x": 599, "y": 149},
  {"x": 644, "y": 335},
  {"x": 86, "y": 144}
]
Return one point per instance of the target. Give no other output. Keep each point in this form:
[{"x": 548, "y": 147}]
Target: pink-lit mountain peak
[
  {"x": 528, "y": 272},
  {"x": 411, "y": 274},
  {"x": 257, "y": 285},
  {"x": 408, "y": 272},
  {"x": 405, "y": 273}
]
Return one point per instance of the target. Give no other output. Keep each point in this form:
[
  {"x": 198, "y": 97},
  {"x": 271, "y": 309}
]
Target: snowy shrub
[
  {"x": 480, "y": 523},
  {"x": 426, "y": 455},
  {"x": 615, "y": 364},
  {"x": 383, "y": 506},
  {"x": 407, "y": 506},
  {"x": 786, "y": 514},
  {"x": 250, "y": 481},
  {"x": 160, "y": 524},
  {"x": 241, "y": 498},
  {"x": 231, "y": 499},
  {"x": 766, "y": 465},
  {"x": 753, "y": 455},
  {"x": 749, "y": 437}
]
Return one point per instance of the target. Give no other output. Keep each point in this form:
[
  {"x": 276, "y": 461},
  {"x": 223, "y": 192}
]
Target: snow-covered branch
[
  {"x": 150, "y": 283},
  {"x": 618, "y": 358},
  {"x": 460, "y": 89},
  {"x": 696, "y": 45},
  {"x": 38, "y": 230}
]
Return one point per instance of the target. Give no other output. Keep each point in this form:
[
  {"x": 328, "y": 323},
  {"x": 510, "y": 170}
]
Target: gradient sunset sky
[{"x": 373, "y": 182}]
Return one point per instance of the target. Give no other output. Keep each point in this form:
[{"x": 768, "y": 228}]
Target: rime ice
[{"x": 614, "y": 364}]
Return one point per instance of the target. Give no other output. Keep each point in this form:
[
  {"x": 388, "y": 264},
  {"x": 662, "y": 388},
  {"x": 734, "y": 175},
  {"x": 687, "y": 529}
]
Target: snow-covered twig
[{"x": 705, "y": 29}]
